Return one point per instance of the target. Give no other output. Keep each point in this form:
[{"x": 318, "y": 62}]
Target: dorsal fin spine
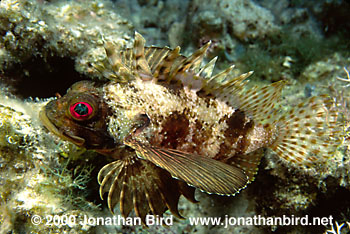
[
  {"x": 207, "y": 70},
  {"x": 192, "y": 63},
  {"x": 120, "y": 71},
  {"x": 140, "y": 63},
  {"x": 164, "y": 66}
]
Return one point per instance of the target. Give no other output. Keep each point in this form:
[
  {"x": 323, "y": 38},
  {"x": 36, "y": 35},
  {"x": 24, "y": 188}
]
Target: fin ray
[
  {"x": 140, "y": 64},
  {"x": 249, "y": 163},
  {"x": 207, "y": 174},
  {"x": 207, "y": 70},
  {"x": 139, "y": 185},
  {"x": 258, "y": 102},
  {"x": 119, "y": 69},
  {"x": 308, "y": 133}
]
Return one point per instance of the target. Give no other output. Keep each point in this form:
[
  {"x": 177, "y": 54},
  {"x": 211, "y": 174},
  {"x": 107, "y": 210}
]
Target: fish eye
[{"x": 81, "y": 110}]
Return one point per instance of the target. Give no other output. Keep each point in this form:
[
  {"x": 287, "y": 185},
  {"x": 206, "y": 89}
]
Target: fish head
[{"x": 80, "y": 117}]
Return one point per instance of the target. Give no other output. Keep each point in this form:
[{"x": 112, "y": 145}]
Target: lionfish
[{"x": 172, "y": 126}]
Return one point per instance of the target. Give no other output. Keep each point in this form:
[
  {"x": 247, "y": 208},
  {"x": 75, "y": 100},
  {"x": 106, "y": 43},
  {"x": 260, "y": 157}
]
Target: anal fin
[{"x": 249, "y": 163}]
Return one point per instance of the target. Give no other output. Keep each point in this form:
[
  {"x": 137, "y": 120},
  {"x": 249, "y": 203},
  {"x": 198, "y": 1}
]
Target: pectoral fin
[
  {"x": 207, "y": 174},
  {"x": 139, "y": 185}
]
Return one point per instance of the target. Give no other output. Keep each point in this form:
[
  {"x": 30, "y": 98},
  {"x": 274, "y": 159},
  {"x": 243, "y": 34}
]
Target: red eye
[{"x": 81, "y": 110}]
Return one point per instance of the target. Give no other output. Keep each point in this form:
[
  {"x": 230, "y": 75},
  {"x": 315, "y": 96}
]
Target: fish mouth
[{"x": 52, "y": 128}]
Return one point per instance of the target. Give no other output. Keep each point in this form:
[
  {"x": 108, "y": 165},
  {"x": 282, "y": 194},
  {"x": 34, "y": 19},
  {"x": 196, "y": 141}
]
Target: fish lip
[{"x": 52, "y": 128}]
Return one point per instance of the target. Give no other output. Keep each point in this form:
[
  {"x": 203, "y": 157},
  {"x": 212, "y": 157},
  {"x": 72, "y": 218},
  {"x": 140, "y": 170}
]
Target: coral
[
  {"x": 322, "y": 69},
  {"x": 287, "y": 56},
  {"x": 33, "y": 182},
  {"x": 245, "y": 19},
  {"x": 297, "y": 17},
  {"x": 248, "y": 20},
  {"x": 153, "y": 19},
  {"x": 40, "y": 174},
  {"x": 72, "y": 29},
  {"x": 324, "y": 188}
]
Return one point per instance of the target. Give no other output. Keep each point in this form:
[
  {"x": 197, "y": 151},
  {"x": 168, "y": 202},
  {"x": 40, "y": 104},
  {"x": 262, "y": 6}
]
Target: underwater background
[{"x": 46, "y": 46}]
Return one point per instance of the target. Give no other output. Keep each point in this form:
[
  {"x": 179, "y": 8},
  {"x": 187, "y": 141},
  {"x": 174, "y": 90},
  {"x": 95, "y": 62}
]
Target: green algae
[
  {"x": 33, "y": 181},
  {"x": 267, "y": 56}
]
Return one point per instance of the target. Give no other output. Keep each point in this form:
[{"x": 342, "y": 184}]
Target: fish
[{"x": 172, "y": 126}]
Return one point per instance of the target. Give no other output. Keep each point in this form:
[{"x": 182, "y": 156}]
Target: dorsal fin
[
  {"x": 207, "y": 70},
  {"x": 140, "y": 64},
  {"x": 222, "y": 84},
  {"x": 155, "y": 56},
  {"x": 161, "y": 65},
  {"x": 119, "y": 69},
  {"x": 163, "y": 68},
  {"x": 259, "y": 102},
  {"x": 190, "y": 64},
  {"x": 167, "y": 67}
]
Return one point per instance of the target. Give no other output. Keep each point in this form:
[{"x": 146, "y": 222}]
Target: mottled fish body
[{"x": 172, "y": 126}]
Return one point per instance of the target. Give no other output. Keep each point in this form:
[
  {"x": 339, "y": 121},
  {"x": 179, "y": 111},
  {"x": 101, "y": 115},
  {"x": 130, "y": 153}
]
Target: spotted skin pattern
[{"x": 172, "y": 126}]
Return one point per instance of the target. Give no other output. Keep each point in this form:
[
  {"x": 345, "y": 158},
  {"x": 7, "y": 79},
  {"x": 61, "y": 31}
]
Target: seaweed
[{"x": 266, "y": 57}]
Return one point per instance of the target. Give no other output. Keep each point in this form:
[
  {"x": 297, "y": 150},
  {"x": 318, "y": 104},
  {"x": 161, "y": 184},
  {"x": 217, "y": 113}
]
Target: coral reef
[
  {"x": 71, "y": 29},
  {"x": 33, "y": 182},
  {"x": 246, "y": 20},
  {"x": 322, "y": 190},
  {"x": 228, "y": 24},
  {"x": 45, "y": 46},
  {"x": 155, "y": 18}
]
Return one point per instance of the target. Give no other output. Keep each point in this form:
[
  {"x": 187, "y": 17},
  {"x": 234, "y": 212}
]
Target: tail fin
[{"x": 309, "y": 133}]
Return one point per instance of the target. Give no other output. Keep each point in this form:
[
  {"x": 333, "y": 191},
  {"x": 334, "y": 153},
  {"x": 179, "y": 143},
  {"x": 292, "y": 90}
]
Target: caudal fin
[{"x": 308, "y": 133}]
